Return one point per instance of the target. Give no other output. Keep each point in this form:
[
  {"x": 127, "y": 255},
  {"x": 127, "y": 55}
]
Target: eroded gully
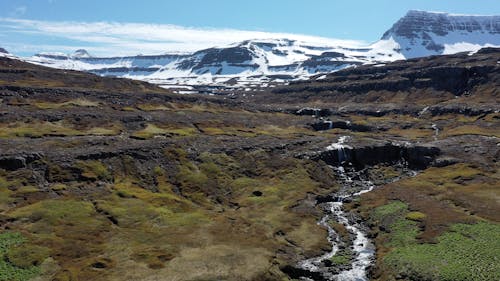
[{"x": 361, "y": 250}]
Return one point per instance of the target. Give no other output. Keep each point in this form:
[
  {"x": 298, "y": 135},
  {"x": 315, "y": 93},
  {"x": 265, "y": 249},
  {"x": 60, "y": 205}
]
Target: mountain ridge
[
  {"x": 259, "y": 63},
  {"x": 422, "y": 33}
]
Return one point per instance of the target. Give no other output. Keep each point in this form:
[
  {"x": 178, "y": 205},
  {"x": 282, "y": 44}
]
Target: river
[{"x": 362, "y": 248}]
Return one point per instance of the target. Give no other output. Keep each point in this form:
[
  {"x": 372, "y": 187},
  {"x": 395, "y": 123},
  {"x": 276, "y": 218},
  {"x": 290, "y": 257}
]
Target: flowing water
[
  {"x": 362, "y": 249},
  {"x": 436, "y": 131}
]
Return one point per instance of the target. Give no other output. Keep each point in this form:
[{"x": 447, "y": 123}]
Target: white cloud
[{"x": 112, "y": 38}]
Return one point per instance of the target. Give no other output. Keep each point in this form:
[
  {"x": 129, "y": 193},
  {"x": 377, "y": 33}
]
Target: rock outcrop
[
  {"x": 415, "y": 156},
  {"x": 421, "y": 33}
]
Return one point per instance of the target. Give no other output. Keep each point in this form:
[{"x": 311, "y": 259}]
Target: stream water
[{"x": 362, "y": 249}]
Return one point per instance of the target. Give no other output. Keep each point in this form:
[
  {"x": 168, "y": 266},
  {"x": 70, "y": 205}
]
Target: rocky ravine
[{"x": 129, "y": 181}]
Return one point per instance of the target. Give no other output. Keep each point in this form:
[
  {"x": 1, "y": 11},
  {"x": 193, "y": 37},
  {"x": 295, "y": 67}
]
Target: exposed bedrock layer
[{"x": 417, "y": 157}]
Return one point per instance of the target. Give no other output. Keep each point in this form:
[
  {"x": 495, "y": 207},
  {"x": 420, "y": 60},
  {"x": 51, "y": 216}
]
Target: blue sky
[{"x": 157, "y": 26}]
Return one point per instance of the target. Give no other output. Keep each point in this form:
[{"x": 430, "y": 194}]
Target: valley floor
[{"x": 130, "y": 182}]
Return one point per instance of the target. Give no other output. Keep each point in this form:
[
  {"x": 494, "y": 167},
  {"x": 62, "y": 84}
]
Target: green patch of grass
[
  {"x": 153, "y": 107},
  {"x": 152, "y": 130},
  {"x": 55, "y": 212},
  {"x": 128, "y": 108},
  {"x": 71, "y": 103},
  {"x": 5, "y": 193},
  {"x": 437, "y": 179},
  {"x": 37, "y": 130},
  {"x": 58, "y": 187},
  {"x": 388, "y": 172},
  {"x": 416, "y": 216},
  {"x": 403, "y": 232},
  {"x": 137, "y": 213},
  {"x": 26, "y": 255},
  {"x": 94, "y": 170},
  {"x": 472, "y": 130},
  {"x": 342, "y": 257},
  {"x": 9, "y": 268},
  {"x": 43, "y": 129},
  {"x": 398, "y": 230},
  {"x": 466, "y": 252},
  {"x": 390, "y": 209}
]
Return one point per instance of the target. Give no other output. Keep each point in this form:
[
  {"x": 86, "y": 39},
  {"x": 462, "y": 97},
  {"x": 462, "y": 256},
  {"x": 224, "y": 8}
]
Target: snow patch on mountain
[
  {"x": 263, "y": 62},
  {"x": 421, "y": 33},
  {"x": 244, "y": 63}
]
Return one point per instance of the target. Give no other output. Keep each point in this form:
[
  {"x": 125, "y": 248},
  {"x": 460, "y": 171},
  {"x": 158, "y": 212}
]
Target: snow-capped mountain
[
  {"x": 249, "y": 63},
  {"x": 421, "y": 33},
  {"x": 3, "y": 51},
  {"x": 263, "y": 62}
]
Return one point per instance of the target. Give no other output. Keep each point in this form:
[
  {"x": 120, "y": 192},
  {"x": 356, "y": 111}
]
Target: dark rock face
[
  {"x": 230, "y": 55},
  {"x": 296, "y": 273},
  {"x": 120, "y": 70},
  {"x": 317, "y": 112},
  {"x": 416, "y": 156},
  {"x": 419, "y": 29},
  {"x": 214, "y": 56},
  {"x": 81, "y": 53},
  {"x": 15, "y": 162},
  {"x": 2, "y": 50},
  {"x": 12, "y": 163},
  {"x": 328, "y": 125},
  {"x": 327, "y": 60},
  {"x": 416, "y": 23},
  {"x": 212, "y": 60},
  {"x": 431, "y": 77}
]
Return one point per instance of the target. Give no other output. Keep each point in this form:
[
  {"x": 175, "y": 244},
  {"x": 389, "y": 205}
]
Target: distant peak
[
  {"x": 3, "y": 51},
  {"x": 423, "y": 33},
  {"x": 81, "y": 53},
  {"x": 416, "y": 22}
]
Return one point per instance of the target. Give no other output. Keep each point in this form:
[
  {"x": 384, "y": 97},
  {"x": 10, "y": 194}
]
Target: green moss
[
  {"x": 415, "y": 216},
  {"x": 400, "y": 230},
  {"x": 58, "y": 187},
  {"x": 71, "y": 103},
  {"x": 190, "y": 176},
  {"x": 5, "y": 193},
  {"x": 466, "y": 252},
  {"x": 153, "y": 107},
  {"x": 34, "y": 130},
  {"x": 57, "y": 173},
  {"x": 51, "y": 216},
  {"x": 137, "y": 213},
  {"x": 94, "y": 170},
  {"x": 390, "y": 209},
  {"x": 152, "y": 130},
  {"x": 342, "y": 258},
  {"x": 42, "y": 129},
  {"x": 388, "y": 172},
  {"x": 449, "y": 177},
  {"x": 9, "y": 271},
  {"x": 129, "y": 212},
  {"x": 26, "y": 255},
  {"x": 403, "y": 232}
]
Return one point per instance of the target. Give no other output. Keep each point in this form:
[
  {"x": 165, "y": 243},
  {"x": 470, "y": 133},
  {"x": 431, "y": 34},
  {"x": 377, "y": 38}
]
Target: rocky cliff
[{"x": 421, "y": 33}]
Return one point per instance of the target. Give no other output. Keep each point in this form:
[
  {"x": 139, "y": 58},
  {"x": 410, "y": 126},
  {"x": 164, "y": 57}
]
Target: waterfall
[
  {"x": 362, "y": 249},
  {"x": 436, "y": 131},
  {"x": 340, "y": 147}
]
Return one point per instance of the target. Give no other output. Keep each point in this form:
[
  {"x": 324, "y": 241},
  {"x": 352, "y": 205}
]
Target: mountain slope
[
  {"x": 249, "y": 62},
  {"x": 258, "y": 63},
  {"x": 421, "y": 33},
  {"x": 119, "y": 185}
]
